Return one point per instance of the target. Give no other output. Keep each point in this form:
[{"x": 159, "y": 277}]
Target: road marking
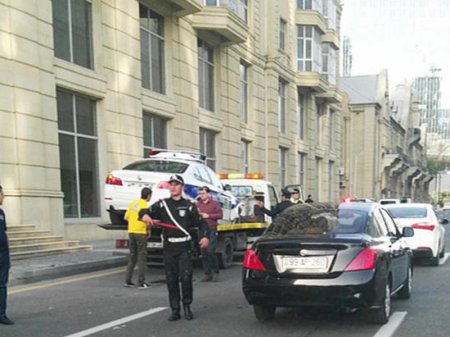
[
  {"x": 119, "y": 321},
  {"x": 445, "y": 258},
  {"x": 58, "y": 283},
  {"x": 392, "y": 325}
]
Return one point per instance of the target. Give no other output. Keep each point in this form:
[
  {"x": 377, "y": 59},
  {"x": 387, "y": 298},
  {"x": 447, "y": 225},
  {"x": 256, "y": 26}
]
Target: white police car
[{"x": 123, "y": 186}]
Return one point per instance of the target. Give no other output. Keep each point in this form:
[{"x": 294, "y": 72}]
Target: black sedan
[{"x": 316, "y": 255}]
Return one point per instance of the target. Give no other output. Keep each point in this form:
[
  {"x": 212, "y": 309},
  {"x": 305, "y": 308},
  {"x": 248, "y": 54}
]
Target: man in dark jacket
[
  {"x": 280, "y": 207},
  {"x": 4, "y": 264},
  {"x": 177, "y": 216}
]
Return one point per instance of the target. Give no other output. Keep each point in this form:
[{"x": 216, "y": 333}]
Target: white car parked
[
  {"x": 428, "y": 240},
  {"x": 123, "y": 186}
]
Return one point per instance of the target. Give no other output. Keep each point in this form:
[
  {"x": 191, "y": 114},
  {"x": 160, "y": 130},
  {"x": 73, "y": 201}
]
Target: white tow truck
[{"x": 252, "y": 222}]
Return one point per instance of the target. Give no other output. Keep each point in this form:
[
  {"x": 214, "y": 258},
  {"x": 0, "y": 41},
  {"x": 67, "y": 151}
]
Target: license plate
[
  {"x": 154, "y": 244},
  {"x": 293, "y": 262}
]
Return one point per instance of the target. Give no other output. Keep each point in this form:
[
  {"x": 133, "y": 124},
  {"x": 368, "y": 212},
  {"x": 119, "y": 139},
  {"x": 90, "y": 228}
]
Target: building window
[
  {"x": 205, "y": 75},
  {"x": 319, "y": 113},
  {"x": 331, "y": 121},
  {"x": 244, "y": 156},
  {"x": 155, "y": 133},
  {"x": 329, "y": 63},
  {"x": 208, "y": 147},
  {"x": 301, "y": 165},
  {"x": 301, "y": 118},
  {"x": 239, "y": 7},
  {"x": 72, "y": 31},
  {"x": 282, "y": 159},
  {"x": 330, "y": 13},
  {"x": 282, "y": 85},
  {"x": 310, "y": 5},
  {"x": 318, "y": 175},
  {"x": 243, "y": 75},
  {"x": 282, "y": 34},
  {"x": 308, "y": 49},
  {"x": 77, "y": 131},
  {"x": 330, "y": 181},
  {"x": 152, "y": 49}
]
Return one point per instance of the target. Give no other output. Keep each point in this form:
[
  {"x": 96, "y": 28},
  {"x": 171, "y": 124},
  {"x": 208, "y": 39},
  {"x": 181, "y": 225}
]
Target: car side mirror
[
  {"x": 227, "y": 187},
  {"x": 407, "y": 232},
  {"x": 443, "y": 221}
]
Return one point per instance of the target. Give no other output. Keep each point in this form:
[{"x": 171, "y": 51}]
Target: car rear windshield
[
  {"x": 408, "y": 212},
  {"x": 318, "y": 220},
  {"x": 165, "y": 166}
]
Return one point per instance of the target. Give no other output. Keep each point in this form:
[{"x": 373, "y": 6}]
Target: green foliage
[{"x": 435, "y": 166}]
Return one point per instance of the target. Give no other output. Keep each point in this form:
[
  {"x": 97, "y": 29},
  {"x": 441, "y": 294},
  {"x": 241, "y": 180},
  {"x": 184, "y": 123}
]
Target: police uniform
[
  {"x": 4, "y": 268},
  {"x": 177, "y": 248},
  {"x": 280, "y": 207}
]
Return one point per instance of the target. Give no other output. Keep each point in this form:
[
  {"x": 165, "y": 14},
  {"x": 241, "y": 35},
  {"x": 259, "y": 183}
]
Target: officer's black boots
[
  {"x": 188, "y": 313},
  {"x": 174, "y": 316}
]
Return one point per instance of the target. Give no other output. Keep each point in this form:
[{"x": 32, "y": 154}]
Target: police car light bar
[
  {"x": 177, "y": 154},
  {"x": 241, "y": 176}
]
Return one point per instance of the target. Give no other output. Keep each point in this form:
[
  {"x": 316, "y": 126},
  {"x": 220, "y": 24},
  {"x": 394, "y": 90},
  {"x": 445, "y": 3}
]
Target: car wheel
[
  {"x": 226, "y": 256},
  {"x": 405, "y": 292},
  {"x": 442, "y": 253},
  {"x": 435, "y": 259},
  {"x": 264, "y": 312},
  {"x": 381, "y": 314}
]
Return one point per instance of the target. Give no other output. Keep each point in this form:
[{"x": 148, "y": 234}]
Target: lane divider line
[
  {"x": 58, "y": 283},
  {"x": 392, "y": 325},
  {"x": 445, "y": 258},
  {"x": 119, "y": 321}
]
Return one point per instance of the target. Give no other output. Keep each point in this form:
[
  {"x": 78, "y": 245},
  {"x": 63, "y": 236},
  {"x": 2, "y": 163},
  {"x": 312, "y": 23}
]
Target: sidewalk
[{"x": 104, "y": 255}]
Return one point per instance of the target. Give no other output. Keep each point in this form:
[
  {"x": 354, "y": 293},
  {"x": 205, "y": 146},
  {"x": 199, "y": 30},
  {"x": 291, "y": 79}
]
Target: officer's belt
[{"x": 182, "y": 239}]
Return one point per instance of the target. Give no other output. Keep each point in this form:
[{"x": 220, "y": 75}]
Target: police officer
[
  {"x": 296, "y": 197},
  {"x": 177, "y": 216},
  {"x": 4, "y": 264},
  {"x": 280, "y": 207}
]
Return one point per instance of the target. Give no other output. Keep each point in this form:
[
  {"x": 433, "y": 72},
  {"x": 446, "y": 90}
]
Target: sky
[{"x": 407, "y": 37}]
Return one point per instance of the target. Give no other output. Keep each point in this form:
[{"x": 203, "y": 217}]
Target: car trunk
[
  {"x": 309, "y": 257},
  {"x": 134, "y": 181}
]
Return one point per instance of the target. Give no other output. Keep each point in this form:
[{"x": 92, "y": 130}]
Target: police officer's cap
[
  {"x": 285, "y": 193},
  {"x": 176, "y": 178}
]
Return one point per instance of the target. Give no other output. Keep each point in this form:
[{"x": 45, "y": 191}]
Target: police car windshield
[{"x": 165, "y": 166}]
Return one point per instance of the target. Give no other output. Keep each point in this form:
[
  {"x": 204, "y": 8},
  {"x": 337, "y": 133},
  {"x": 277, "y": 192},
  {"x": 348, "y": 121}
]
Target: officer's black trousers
[{"x": 178, "y": 266}]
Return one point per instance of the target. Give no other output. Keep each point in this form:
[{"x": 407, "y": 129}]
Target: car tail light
[
  {"x": 122, "y": 243},
  {"x": 111, "y": 180},
  {"x": 164, "y": 185},
  {"x": 251, "y": 261},
  {"x": 424, "y": 226},
  {"x": 365, "y": 260}
]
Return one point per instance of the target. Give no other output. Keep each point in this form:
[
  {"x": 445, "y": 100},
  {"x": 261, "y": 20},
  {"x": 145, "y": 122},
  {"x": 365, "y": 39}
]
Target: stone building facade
[
  {"x": 383, "y": 155},
  {"x": 89, "y": 85}
]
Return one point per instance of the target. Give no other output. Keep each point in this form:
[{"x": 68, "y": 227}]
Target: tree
[{"x": 435, "y": 166}]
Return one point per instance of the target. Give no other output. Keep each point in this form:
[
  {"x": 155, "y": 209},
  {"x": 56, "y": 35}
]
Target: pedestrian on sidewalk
[
  {"x": 4, "y": 264},
  {"x": 211, "y": 211},
  {"x": 138, "y": 232},
  {"x": 178, "y": 216}
]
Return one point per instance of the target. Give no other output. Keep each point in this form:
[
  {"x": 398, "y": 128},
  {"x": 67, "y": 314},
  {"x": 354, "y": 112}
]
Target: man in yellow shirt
[{"x": 137, "y": 233}]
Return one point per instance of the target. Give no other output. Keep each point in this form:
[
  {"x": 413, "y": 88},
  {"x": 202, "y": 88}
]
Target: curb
[{"x": 68, "y": 270}]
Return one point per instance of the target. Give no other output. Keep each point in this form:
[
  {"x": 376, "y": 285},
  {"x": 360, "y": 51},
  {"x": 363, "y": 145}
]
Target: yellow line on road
[{"x": 59, "y": 283}]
